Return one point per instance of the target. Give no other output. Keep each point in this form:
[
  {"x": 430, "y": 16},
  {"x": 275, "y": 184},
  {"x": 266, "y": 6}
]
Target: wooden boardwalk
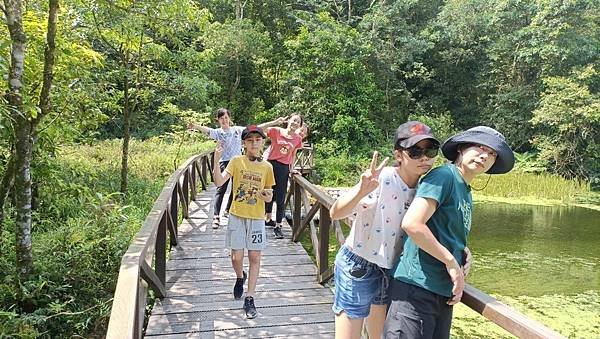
[{"x": 200, "y": 279}]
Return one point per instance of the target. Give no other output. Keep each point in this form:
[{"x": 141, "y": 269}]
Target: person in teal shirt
[{"x": 429, "y": 278}]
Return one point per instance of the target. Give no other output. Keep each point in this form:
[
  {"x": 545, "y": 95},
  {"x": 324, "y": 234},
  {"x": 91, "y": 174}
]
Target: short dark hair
[{"x": 221, "y": 112}]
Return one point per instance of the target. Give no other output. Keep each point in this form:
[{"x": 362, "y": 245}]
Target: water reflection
[{"x": 524, "y": 250}]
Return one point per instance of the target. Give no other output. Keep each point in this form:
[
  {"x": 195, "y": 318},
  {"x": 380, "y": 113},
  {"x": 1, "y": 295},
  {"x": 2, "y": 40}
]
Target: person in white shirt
[{"x": 375, "y": 242}]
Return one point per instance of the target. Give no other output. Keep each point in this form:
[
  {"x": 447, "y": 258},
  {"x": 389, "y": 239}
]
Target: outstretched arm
[
  {"x": 414, "y": 223},
  {"x": 196, "y": 127},
  {"x": 344, "y": 205},
  {"x": 276, "y": 122}
]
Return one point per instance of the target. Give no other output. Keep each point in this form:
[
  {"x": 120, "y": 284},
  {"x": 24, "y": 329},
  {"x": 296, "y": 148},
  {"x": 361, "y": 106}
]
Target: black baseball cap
[{"x": 411, "y": 132}]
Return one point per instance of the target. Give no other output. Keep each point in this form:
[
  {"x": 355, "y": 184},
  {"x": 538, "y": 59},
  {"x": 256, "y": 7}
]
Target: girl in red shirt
[{"x": 284, "y": 143}]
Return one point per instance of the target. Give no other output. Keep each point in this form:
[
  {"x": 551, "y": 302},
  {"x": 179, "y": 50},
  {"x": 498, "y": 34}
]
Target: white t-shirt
[
  {"x": 376, "y": 234},
  {"x": 231, "y": 139}
]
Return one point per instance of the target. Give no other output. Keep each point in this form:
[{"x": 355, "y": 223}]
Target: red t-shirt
[{"x": 283, "y": 146}]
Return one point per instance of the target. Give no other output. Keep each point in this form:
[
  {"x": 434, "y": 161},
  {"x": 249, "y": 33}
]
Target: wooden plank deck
[{"x": 200, "y": 279}]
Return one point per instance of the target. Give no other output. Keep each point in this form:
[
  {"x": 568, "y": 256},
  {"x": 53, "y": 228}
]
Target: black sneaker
[
  {"x": 278, "y": 233},
  {"x": 216, "y": 222},
  {"x": 250, "y": 308},
  {"x": 270, "y": 223},
  {"x": 238, "y": 289}
]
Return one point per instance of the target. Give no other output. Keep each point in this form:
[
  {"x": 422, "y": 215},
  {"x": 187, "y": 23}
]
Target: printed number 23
[{"x": 257, "y": 238}]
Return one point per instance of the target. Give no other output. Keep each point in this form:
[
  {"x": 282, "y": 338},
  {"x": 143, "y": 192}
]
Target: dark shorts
[{"x": 416, "y": 313}]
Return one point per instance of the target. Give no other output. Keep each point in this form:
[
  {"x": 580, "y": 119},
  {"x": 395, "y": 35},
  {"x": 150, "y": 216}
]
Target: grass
[
  {"x": 81, "y": 230},
  {"x": 534, "y": 187}
]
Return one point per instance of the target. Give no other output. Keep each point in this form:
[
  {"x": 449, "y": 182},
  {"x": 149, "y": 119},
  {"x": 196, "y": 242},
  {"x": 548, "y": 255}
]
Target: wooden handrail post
[
  {"x": 324, "y": 225},
  {"x": 193, "y": 182},
  {"x": 211, "y": 165},
  {"x": 296, "y": 222},
  {"x": 173, "y": 210},
  {"x": 160, "y": 257},
  {"x": 204, "y": 168},
  {"x": 186, "y": 193}
]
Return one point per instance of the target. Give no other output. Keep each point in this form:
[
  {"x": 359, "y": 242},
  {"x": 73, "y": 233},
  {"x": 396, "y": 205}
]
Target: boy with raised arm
[
  {"x": 252, "y": 181},
  {"x": 229, "y": 136}
]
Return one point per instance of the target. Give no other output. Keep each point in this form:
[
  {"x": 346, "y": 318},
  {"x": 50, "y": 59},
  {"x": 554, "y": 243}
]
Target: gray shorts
[{"x": 245, "y": 233}]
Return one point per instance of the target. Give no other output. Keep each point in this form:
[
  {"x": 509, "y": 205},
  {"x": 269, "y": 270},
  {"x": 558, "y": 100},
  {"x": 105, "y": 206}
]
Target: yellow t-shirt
[{"x": 249, "y": 177}]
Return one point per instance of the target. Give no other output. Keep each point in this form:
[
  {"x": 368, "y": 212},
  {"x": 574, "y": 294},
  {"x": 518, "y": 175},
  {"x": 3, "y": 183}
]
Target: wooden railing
[
  {"x": 149, "y": 247},
  {"x": 303, "y": 214},
  {"x": 305, "y": 159}
]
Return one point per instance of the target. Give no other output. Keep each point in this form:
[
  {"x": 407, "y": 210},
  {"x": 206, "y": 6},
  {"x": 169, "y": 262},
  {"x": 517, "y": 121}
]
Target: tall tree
[
  {"x": 25, "y": 123},
  {"x": 132, "y": 35}
]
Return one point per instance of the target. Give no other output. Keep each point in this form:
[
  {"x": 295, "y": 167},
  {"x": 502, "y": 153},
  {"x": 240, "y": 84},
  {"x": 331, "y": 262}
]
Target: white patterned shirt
[
  {"x": 376, "y": 234},
  {"x": 231, "y": 139}
]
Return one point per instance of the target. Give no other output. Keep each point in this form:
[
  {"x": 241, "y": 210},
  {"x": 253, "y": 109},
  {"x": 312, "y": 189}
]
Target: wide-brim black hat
[{"x": 487, "y": 136}]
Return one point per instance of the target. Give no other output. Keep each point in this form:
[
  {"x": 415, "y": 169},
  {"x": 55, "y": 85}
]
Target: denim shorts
[{"x": 358, "y": 284}]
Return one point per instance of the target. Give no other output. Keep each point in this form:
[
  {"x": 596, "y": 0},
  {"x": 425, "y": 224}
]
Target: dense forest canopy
[
  {"x": 355, "y": 69},
  {"x": 103, "y": 70}
]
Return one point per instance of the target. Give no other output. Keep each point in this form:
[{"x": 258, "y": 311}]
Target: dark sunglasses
[{"x": 416, "y": 152}]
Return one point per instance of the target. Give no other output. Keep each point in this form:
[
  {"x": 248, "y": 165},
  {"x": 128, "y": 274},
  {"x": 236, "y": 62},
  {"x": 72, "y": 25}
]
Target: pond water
[{"x": 526, "y": 250}]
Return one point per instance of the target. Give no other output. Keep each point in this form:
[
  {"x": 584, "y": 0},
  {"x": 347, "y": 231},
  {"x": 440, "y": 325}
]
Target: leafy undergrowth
[{"x": 81, "y": 230}]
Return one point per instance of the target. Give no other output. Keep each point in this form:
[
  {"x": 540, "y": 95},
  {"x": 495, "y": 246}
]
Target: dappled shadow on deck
[{"x": 200, "y": 279}]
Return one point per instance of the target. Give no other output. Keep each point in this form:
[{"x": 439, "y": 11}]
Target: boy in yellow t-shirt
[{"x": 252, "y": 182}]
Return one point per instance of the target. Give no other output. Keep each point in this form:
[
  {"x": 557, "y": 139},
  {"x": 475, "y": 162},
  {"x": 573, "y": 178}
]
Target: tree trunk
[
  {"x": 239, "y": 9},
  {"x": 349, "y": 10},
  {"x": 236, "y": 83},
  {"x": 22, "y": 132},
  {"x": 23, "y": 151},
  {"x": 5, "y": 187},
  {"x": 44, "y": 102},
  {"x": 126, "y": 136}
]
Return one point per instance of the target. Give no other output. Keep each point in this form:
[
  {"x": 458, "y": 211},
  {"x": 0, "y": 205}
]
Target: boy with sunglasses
[
  {"x": 374, "y": 244},
  {"x": 429, "y": 279}
]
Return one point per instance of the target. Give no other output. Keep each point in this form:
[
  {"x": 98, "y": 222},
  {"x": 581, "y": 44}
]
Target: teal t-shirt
[{"x": 450, "y": 224}]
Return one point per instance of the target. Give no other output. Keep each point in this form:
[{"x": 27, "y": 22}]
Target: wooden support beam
[
  {"x": 148, "y": 274},
  {"x": 307, "y": 219}
]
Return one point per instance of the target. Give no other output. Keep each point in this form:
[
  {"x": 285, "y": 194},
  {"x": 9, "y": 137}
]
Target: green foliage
[
  {"x": 441, "y": 124},
  {"x": 568, "y": 120},
  {"x": 525, "y": 67},
  {"x": 329, "y": 83},
  {"x": 81, "y": 231}
]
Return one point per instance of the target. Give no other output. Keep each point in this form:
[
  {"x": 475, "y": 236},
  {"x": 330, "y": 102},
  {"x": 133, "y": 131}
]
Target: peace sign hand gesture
[
  {"x": 369, "y": 180},
  {"x": 282, "y": 120}
]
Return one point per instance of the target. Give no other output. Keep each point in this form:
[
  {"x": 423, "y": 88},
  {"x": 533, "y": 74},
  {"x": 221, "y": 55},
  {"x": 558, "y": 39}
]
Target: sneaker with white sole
[{"x": 250, "y": 308}]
